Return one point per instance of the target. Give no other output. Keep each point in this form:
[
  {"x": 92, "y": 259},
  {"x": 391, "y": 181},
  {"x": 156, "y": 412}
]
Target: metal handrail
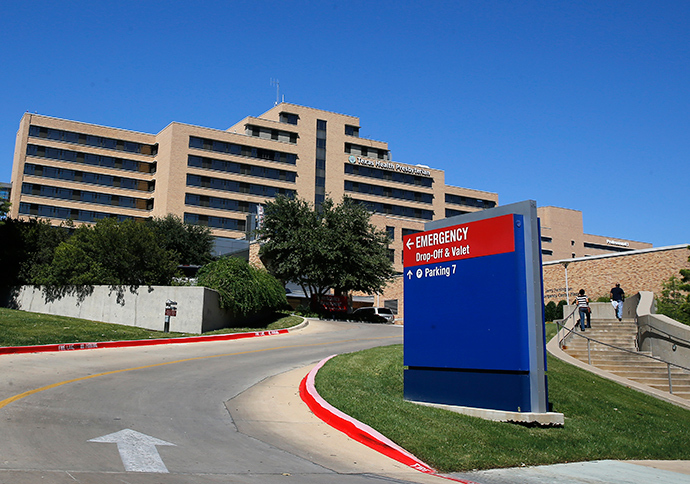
[
  {"x": 589, "y": 354},
  {"x": 669, "y": 335}
]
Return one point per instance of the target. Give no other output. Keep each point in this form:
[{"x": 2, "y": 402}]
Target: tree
[
  {"x": 4, "y": 208},
  {"x": 244, "y": 290},
  {"x": 27, "y": 248},
  {"x": 674, "y": 301},
  {"x": 192, "y": 243},
  {"x": 111, "y": 253},
  {"x": 334, "y": 246}
]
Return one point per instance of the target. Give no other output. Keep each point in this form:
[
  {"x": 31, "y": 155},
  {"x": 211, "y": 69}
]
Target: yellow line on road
[{"x": 7, "y": 401}]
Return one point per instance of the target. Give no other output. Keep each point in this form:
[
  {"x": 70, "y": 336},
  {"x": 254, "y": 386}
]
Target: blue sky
[{"x": 577, "y": 104}]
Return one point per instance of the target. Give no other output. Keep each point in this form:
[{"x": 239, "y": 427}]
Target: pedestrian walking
[
  {"x": 617, "y": 298},
  {"x": 582, "y": 302}
]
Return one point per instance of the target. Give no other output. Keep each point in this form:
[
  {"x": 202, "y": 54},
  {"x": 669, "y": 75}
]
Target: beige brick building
[
  {"x": 71, "y": 170},
  {"x": 639, "y": 270},
  {"x": 563, "y": 237}
]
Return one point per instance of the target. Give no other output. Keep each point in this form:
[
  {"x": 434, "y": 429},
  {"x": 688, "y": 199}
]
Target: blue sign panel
[{"x": 473, "y": 312}]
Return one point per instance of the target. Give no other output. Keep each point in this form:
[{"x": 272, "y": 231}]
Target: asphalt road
[{"x": 157, "y": 414}]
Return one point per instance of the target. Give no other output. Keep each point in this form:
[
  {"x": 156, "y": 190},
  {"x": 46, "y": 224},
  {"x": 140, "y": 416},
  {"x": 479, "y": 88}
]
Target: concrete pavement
[{"x": 272, "y": 411}]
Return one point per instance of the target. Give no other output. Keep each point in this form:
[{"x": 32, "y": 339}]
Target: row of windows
[
  {"x": 242, "y": 150},
  {"x": 388, "y": 175},
  {"x": 272, "y": 134},
  {"x": 237, "y": 187},
  {"x": 389, "y": 192},
  {"x": 85, "y": 196},
  {"x": 398, "y": 210},
  {"x": 367, "y": 151},
  {"x": 469, "y": 202},
  {"x": 220, "y": 203},
  {"x": 90, "y": 159},
  {"x": 37, "y": 210},
  {"x": 215, "y": 222},
  {"x": 320, "y": 172},
  {"x": 452, "y": 213},
  {"x": 241, "y": 168},
  {"x": 88, "y": 177},
  {"x": 90, "y": 140},
  {"x": 608, "y": 248}
]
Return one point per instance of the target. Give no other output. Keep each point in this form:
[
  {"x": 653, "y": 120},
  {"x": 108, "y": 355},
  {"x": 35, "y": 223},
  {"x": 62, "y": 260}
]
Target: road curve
[{"x": 157, "y": 414}]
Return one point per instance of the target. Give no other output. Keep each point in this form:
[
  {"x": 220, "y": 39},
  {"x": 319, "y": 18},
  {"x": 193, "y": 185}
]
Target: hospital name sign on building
[{"x": 388, "y": 165}]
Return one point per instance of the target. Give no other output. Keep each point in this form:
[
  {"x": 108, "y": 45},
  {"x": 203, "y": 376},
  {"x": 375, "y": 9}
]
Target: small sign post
[{"x": 170, "y": 310}]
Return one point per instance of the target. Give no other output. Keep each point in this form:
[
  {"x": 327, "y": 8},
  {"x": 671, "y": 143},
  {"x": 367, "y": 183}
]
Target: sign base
[{"x": 548, "y": 419}]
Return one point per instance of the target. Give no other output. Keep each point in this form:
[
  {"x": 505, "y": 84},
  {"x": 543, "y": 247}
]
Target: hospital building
[{"x": 67, "y": 169}]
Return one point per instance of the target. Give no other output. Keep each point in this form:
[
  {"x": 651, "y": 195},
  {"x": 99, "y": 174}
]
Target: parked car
[{"x": 374, "y": 315}]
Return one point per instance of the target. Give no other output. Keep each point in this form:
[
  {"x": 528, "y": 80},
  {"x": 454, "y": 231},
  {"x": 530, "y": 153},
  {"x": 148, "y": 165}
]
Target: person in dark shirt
[{"x": 617, "y": 298}]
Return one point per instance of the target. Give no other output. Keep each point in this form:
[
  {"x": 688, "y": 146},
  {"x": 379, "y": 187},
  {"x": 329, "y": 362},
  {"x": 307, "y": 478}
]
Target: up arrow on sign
[{"x": 137, "y": 451}]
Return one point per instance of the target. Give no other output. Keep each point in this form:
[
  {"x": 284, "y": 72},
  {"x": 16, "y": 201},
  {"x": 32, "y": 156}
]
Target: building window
[
  {"x": 351, "y": 130},
  {"x": 289, "y": 118},
  {"x": 391, "y": 255},
  {"x": 390, "y": 231},
  {"x": 409, "y": 231},
  {"x": 546, "y": 252},
  {"x": 453, "y": 213},
  {"x": 548, "y": 240}
]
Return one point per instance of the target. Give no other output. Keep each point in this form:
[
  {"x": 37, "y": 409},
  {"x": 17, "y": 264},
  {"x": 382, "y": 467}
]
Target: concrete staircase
[{"x": 631, "y": 365}]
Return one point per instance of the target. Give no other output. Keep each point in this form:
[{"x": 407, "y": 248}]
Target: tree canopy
[
  {"x": 674, "y": 301},
  {"x": 111, "y": 253},
  {"x": 192, "y": 243},
  {"x": 243, "y": 289},
  {"x": 333, "y": 246}
]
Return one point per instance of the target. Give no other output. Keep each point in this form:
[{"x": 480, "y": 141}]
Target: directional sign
[
  {"x": 474, "y": 311},
  {"x": 474, "y": 239},
  {"x": 137, "y": 451}
]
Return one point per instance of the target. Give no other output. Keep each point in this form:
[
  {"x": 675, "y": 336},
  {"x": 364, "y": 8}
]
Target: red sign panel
[
  {"x": 474, "y": 239},
  {"x": 171, "y": 312}
]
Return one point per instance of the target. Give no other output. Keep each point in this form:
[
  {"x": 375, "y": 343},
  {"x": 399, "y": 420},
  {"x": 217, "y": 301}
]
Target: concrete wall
[
  {"x": 666, "y": 338},
  {"x": 198, "y": 310}
]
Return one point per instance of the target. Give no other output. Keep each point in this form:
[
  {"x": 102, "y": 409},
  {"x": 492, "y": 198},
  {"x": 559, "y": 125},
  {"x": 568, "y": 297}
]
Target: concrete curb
[
  {"x": 357, "y": 430},
  {"x": 7, "y": 350}
]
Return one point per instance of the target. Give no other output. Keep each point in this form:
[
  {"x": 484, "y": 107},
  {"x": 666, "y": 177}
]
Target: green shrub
[
  {"x": 559, "y": 309},
  {"x": 551, "y": 311},
  {"x": 244, "y": 290}
]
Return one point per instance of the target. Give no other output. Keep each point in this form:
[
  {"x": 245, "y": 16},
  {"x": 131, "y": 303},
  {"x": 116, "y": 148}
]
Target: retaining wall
[
  {"x": 198, "y": 309},
  {"x": 640, "y": 270}
]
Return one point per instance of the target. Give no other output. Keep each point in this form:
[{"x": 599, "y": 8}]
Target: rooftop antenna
[{"x": 276, "y": 83}]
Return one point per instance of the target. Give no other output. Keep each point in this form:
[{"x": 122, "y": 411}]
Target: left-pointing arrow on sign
[{"x": 137, "y": 451}]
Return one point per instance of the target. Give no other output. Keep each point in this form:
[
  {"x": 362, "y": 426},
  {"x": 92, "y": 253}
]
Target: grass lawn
[
  {"x": 603, "y": 420},
  {"x": 21, "y": 328}
]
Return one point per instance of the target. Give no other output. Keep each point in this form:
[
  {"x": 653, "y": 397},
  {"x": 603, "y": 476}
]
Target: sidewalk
[{"x": 272, "y": 411}]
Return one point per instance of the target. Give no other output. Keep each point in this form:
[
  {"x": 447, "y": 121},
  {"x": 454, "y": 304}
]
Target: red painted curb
[
  {"x": 357, "y": 430},
  {"x": 5, "y": 350}
]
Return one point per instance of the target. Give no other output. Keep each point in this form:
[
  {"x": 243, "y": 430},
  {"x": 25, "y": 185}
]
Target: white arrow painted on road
[{"x": 137, "y": 451}]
